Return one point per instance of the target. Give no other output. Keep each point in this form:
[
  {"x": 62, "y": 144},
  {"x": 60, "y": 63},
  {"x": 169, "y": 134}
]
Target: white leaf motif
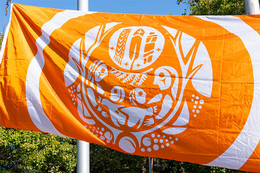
[
  {"x": 184, "y": 116},
  {"x": 203, "y": 79},
  {"x": 90, "y": 121}
]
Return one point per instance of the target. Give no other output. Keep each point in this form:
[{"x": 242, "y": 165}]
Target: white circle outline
[
  {"x": 33, "y": 96},
  {"x": 242, "y": 148}
]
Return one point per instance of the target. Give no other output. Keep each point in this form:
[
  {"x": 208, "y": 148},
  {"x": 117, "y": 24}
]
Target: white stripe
[
  {"x": 33, "y": 95},
  {"x": 5, "y": 36},
  {"x": 239, "y": 152}
]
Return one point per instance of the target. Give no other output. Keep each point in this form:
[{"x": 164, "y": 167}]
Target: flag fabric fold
[{"x": 175, "y": 87}]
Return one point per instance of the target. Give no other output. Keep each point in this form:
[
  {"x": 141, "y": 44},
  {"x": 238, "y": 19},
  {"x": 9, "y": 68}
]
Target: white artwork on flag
[
  {"x": 87, "y": 102},
  {"x": 133, "y": 49}
]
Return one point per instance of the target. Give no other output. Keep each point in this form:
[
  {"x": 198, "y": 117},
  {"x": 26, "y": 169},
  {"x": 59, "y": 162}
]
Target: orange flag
[{"x": 178, "y": 87}]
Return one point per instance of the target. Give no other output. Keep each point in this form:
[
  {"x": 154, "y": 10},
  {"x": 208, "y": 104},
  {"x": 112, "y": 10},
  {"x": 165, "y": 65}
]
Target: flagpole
[
  {"x": 83, "y": 165},
  {"x": 251, "y": 6},
  {"x": 83, "y": 160},
  {"x": 150, "y": 165},
  {"x": 83, "y": 5}
]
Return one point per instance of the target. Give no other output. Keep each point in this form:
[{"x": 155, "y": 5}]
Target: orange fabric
[{"x": 175, "y": 87}]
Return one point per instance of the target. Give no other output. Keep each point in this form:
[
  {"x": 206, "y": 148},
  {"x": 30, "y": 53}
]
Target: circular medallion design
[{"x": 122, "y": 103}]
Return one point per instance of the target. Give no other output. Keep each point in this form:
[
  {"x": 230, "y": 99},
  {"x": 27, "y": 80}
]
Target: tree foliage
[
  {"x": 27, "y": 151},
  {"x": 171, "y": 166},
  {"x": 103, "y": 159},
  {"x": 214, "y": 7}
]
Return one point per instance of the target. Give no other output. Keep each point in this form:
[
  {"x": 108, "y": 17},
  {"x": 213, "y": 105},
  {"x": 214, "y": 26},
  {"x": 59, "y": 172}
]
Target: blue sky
[{"x": 162, "y": 7}]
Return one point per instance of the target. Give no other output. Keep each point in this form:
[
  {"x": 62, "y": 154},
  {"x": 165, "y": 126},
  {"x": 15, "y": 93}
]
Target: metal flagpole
[
  {"x": 83, "y": 165},
  {"x": 83, "y": 161},
  {"x": 150, "y": 165},
  {"x": 83, "y": 5},
  {"x": 251, "y": 6}
]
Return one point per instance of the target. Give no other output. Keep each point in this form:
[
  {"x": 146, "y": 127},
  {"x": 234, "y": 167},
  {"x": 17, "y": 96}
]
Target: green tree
[
  {"x": 27, "y": 151},
  {"x": 171, "y": 166},
  {"x": 103, "y": 159},
  {"x": 214, "y": 7}
]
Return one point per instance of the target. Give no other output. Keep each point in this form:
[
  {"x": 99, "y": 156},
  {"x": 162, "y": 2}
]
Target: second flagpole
[{"x": 251, "y": 6}]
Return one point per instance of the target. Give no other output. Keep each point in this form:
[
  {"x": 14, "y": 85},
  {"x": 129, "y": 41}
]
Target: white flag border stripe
[
  {"x": 33, "y": 95},
  {"x": 240, "y": 151}
]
